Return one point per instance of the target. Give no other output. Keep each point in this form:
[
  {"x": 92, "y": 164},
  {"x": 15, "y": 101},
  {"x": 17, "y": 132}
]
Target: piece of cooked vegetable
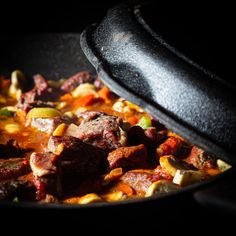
[
  {"x": 12, "y": 128},
  {"x": 17, "y": 81},
  {"x": 186, "y": 177},
  {"x": 112, "y": 175},
  {"x": 83, "y": 90},
  {"x": 43, "y": 112},
  {"x": 161, "y": 186},
  {"x": 5, "y": 112},
  {"x": 222, "y": 165},
  {"x": 144, "y": 122},
  {"x": 171, "y": 164},
  {"x": 60, "y": 130},
  {"x": 90, "y": 198},
  {"x": 115, "y": 196}
]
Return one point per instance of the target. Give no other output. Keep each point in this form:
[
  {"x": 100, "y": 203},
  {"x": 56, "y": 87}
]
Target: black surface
[{"x": 189, "y": 100}]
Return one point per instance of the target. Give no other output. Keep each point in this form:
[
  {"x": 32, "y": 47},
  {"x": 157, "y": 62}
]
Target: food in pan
[{"x": 74, "y": 141}]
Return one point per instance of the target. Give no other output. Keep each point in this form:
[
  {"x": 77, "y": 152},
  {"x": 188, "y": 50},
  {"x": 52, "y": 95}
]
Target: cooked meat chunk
[
  {"x": 40, "y": 95},
  {"x": 11, "y": 149},
  {"x": 74, "y": 81},
  {"x": 46, "y": 171},
  {"x": 8, "y": 188},
  {"x": 13, "y": 168},
  {"x": 140, "y": 180},
  {"x": 101, "y": 130},
  {"x": 171, "y": 146},
  {"x": 201, "y": 159},
  {"x": 128, "y": 157},
  {"x": 47, "y": 125},
  {"x": 76, "y": 157},
  {"x": 150, "y": 137}
]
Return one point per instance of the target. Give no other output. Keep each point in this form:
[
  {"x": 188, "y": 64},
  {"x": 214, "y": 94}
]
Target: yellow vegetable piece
[
  {"x": 83, "y": 90},
  {"x": 90, "y": 198},
  {"x": 60, "y": 130},
  {"x": 12, "y": 128},
  {"x": 43, "y": 112}
]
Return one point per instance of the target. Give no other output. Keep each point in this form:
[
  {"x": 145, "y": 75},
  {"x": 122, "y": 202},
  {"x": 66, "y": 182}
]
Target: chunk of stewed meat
[
  {"x": 13, "y": 167},
  {"x": 101, "y": 130},
  {"x": 48, "y": 125},
  {"x": 150, "y": 137},
  {"x": 40, "y": 95},
  {"x": 11, "y": 149},
  {"x": 77, "y": 79},
  {"x": 9, "y": 188},
  {"x": 46, "y": 172},
  {"x": 133, "y": 157},
  {"x": 140, "y": 180},
  {"x": 77, "y": 157},
  {"x": 201, "y": 159}
]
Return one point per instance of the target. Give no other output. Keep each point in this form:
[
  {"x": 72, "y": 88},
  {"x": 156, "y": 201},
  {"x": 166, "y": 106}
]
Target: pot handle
[{"x": 221, "y": 194}]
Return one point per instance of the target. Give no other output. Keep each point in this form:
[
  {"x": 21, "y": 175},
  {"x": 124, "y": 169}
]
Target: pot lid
[{"x": 141, "y": 67}]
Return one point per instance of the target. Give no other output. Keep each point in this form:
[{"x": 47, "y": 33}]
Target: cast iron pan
[{"x": 59, "y": 55}]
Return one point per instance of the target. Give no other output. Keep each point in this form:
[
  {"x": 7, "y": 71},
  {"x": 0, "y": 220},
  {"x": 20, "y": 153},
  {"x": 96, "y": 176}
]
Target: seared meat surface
[
  {"x": 76, "y": 157},
  {"x": 128, "y": 157},
  {"x": 75, "y": 80},
  {"x": 46, "y": 172},
  {"x": 101, "y": 130},
  {"x": 13, "y": 167},
  {"x": 39, "y": 96},
  {"x": 11, "y": 149}
]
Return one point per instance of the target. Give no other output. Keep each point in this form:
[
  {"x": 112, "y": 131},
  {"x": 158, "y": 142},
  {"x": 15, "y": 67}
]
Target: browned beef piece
[
  {"x": 47, "y": 125},
  {"x": 46, "y": 172},
  {"x": 201, "y": 159},
  {"x": 74, "y": 81},
  {"x": 13, "y": 168},
  {"x": 11, "y": 149},
  {"x": 101, "y": 130},
  {"x": 40, "y": 95},
  {"x": 8, "y": 188},
  {"x": 140, "y": 180},
  {"x": 150, "y": 137},
  {"x": 128, "y": 157},
  {"x": 77, "y": 157}
]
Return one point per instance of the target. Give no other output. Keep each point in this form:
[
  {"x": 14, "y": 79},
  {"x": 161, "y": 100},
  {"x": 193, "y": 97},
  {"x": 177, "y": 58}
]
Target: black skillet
[{"x": 59, "y": 55}]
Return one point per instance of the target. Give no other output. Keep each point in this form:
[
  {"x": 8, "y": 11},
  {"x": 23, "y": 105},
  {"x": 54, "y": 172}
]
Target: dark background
[{"x": 204, "y": 31}]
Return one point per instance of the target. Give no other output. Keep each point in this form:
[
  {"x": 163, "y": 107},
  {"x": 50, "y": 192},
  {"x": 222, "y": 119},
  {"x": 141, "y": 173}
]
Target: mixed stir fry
[{"x": 74, "y": 141}]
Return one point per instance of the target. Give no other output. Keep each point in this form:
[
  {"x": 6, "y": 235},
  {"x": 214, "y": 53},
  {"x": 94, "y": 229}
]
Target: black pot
[{"x": 60, "y": 55}]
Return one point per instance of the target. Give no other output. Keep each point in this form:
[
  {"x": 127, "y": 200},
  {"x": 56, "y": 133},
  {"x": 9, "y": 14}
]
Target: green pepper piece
[{"x": 145, "y": 122}]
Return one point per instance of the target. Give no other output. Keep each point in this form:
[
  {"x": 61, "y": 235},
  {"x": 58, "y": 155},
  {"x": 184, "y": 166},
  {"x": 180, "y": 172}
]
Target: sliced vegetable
[
  {"x": 161, "y": 186},
  {"x": 222, "y": 165},
  {"x": 114, "y": 174},
  {"x": 90, "y": 198},
  {"x": 60, "y": 130},
  {"x": 186, "y": 177},
  {"x": 171, "y": 165},
  {"x": 12, "y": 128},
  {"x": 43, "y": 112},
  {"x": 144, "y": 122},
  {"x": 83, "y": 90},
  {"x": 84, "y": 101},
  {"x": 5, "y": 112},
  {"x": 115, "y": 196},
  {"x": 17, "y": 82}
]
